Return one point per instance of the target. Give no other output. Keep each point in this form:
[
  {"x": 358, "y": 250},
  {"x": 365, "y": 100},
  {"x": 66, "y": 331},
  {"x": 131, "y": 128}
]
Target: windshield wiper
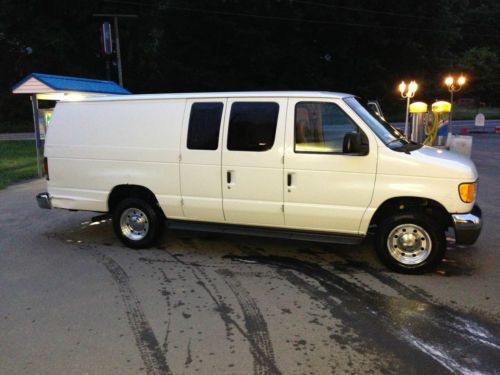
[
  {"x": 394, "y": 140},
  {"x": 406, "y": 145}
]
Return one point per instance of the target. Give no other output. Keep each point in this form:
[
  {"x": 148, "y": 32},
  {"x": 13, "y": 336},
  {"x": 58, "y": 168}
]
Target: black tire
[
  {"x": 137, "y": 223},
  {"x": 420, "y": 251}
]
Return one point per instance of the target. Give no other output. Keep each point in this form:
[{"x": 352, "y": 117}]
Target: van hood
[{"x": 427, "y": 162}]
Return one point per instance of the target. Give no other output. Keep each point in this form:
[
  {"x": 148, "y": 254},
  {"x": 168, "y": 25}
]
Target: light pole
[
  {"x": 453, "y": 86},
  {"x": 407, "y": 92}
]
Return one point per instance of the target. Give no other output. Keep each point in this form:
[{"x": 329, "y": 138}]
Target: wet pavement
[{"x": 73, "y": 300}]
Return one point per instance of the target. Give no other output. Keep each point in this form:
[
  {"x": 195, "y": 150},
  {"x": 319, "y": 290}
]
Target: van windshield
[{"x": 391, "y": 136}]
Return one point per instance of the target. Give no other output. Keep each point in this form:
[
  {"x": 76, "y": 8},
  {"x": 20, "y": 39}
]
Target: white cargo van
[{"x": 308, "y": 165}]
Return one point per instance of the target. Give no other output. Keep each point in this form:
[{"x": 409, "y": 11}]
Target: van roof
[{"x": 201, "y": 95}]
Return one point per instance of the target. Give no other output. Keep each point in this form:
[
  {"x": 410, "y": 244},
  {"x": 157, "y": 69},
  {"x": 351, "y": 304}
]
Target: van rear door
[{"x": 252, "y": 161}]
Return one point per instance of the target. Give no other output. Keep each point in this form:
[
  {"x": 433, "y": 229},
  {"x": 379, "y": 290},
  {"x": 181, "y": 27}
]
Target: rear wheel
[
  {"x": 137, "y": 223},
  {"x": 410, "y": 242}
]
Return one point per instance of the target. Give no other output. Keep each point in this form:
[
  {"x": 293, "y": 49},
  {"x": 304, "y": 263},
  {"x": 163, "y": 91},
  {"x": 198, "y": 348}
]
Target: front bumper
[
  {"x": 468, "y": 226},
  {"x": 43, "y": 200}
]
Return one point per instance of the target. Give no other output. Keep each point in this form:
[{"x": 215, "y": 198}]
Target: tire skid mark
[
  {"x": 224, "y": 311},
  {"x": 466, "y": 328},
  {"x": 439, "y": 355},
  {"x": 365, "y": 325},
  {"x": 351, "y": 266},
  {"x": 151, "y": 353},
  {"x": 189, "y": 357},
  {"x": 222, "y": 308},
  {"x": 407, "y": 328},
  {"x": 208, "y": 285},
  {"x": 255, "y": 323},
  {"x": 166, "y": 293},
  {"x": 260, "y": 356},
  {"x": 177, "y": 260}
]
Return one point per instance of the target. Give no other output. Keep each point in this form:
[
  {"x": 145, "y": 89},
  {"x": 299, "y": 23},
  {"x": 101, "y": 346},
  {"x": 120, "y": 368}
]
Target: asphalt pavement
[{"x": 73, "y": 300}]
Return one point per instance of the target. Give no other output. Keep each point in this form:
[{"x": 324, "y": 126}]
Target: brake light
[{"x": 46, "y": 168}]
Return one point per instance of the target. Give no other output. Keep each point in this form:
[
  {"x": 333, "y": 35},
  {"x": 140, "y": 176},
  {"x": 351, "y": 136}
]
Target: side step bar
[{"x": 265, "y": 232}]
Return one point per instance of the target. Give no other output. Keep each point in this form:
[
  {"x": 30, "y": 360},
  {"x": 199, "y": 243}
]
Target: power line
[
  {"x": 361, "y": 10},
  {"x": 386, "y": 13},
  {"x": 300, "y": 20}
]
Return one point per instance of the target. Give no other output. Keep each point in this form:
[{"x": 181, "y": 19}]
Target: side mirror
[{"x": 355, "y": 143}]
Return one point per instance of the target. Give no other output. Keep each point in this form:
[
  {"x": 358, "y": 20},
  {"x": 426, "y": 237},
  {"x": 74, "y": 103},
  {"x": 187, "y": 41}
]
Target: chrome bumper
[
  {"x": 43, "y": 200},
  {"x": 468, "y": 226}
]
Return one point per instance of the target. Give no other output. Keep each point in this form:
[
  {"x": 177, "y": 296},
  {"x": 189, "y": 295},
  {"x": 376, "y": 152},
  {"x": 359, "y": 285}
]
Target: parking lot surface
[{"x": 73, "y": 300}]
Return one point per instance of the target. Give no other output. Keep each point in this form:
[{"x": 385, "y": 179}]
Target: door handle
[
  {"x": 289, "y": 179},
  {"x": 228, "y": 176}
]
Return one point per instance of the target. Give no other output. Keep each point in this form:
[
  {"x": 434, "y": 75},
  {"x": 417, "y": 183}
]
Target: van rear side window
[
  {"x": 204, "y": 126},
  {"x": 252, "y": 126}
]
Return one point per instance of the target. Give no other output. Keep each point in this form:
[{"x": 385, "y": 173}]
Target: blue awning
[{"x": 46, "y": 83}]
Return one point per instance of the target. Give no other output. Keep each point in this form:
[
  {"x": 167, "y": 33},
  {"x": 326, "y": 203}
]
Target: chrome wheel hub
[
  {"x": 134, "y": 224},
  {"x": 409, "y": 244}
]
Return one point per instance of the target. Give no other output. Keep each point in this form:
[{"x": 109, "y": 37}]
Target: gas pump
[
  {"x": 418, "y": 111},
  {"x": 44, "y": 117},
  {"x": 436, "y": 129}
]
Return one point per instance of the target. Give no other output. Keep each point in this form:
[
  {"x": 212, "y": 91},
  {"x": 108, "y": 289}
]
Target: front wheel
[
  {"x": 137, "y": 223},
  {"x": 410, "y": 243}
]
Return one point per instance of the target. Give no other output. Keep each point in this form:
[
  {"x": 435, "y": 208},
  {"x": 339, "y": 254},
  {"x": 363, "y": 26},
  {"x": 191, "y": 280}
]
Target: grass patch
[
  {"x": 17, "y": 161},
  {"x": 459, "y": 113},
  {"x": 16, "y": 127},
  {"x": 462, "y": 113}
]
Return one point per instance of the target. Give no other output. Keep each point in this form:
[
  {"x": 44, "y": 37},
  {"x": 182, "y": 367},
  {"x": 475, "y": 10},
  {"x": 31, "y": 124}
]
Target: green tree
[
  {"x": 193, "y": 45},
  {"x": 482, "y": 66}
]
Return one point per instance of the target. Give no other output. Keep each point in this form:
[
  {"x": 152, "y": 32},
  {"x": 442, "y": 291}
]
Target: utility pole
[
  {"x": 118, "y": 53},
  {"x": 117, "y": 39}
]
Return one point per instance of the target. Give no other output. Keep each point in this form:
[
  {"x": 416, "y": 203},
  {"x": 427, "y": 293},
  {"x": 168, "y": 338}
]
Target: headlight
[{"x": 467, "y": 191}]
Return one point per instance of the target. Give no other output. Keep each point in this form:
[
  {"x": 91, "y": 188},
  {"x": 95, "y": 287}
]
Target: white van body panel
[
  {"x": 427, "y": 162},
  {"x": 96, "y": 144},
  {"x": 428, "y": 173},
  {"x": 210, "y": 95},
  {"x": 93, "y": 147}
]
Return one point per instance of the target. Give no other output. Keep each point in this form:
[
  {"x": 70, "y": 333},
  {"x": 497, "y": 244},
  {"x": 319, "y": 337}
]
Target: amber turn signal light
[{"x": 467, "y": 192}]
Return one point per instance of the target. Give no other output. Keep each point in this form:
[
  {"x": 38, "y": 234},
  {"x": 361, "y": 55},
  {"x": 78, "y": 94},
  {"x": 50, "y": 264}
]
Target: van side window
[
  {"x": 204, "y": 126},
  {"x": 252, "y": 126},
  {"x": 320, "y": 127}
]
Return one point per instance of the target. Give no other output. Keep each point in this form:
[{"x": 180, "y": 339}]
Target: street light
[
  {"x": 453, "y": 86},
  {"x": 407, "y": 92}
]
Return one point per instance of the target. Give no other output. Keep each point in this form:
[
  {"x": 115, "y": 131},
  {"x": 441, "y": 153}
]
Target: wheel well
[
  {"x": 401, "y": 204},
  {"x": 121, "y": 192}
]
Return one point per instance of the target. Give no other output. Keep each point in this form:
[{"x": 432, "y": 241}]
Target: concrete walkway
[{"x": 16, "y": 136}]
